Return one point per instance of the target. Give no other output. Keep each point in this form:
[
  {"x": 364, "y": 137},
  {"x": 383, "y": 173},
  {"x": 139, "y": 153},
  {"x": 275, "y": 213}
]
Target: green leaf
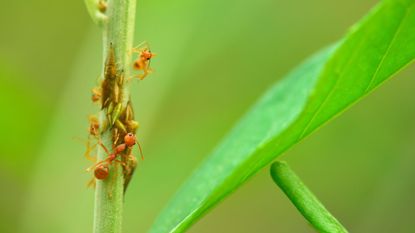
[{"x": 325, "y": 85}]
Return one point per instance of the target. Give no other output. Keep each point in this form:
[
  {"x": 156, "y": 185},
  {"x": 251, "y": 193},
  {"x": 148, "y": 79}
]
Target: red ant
[
  {"x": 101, "y": 169},
  {"x": 143, "y": 60},
  {"x": 94, "y": 132}
]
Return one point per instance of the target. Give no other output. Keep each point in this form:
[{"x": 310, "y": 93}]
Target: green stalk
[
  {"x": 117, "y": 23},
  {"x": 304, "y": 200}
]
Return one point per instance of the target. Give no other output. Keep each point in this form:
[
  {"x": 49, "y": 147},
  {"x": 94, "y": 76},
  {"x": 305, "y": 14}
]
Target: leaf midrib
[{"x": 392, "y": 41}]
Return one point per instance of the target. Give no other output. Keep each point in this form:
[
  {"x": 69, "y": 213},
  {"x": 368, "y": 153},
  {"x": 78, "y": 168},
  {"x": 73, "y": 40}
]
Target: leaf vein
[
  {"x": 304, "y": 131},
  {"x": 374, "y": 76}
]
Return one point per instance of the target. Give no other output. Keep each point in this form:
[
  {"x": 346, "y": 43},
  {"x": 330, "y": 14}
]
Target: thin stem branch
[
  {"x": 94, "y": 11},
  {"x": 304, "y": 200}
]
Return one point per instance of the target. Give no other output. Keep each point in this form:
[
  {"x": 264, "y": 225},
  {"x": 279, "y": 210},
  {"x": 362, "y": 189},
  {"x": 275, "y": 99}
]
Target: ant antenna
[{"x": 141, "y": 150}]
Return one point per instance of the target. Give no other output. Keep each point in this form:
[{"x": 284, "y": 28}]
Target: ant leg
[
  {"x": 139, "y": 76},
  {"x": 91, "y": 183},
  {"x": 146, "y": 71},
  {"x": 136, "y": 50},
  {"x": 89, "y": 148},
  {"x": 87, "y": 153},
  {"x": 124, "y": 165},
  {"x": 139, "y": 47},
  {"x": 103, "y": 147},
  {"x": 99, "y": 163},
  {"x": 142, "y": 76}
]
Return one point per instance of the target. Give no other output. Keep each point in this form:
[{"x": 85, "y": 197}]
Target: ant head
[
  {"x": 147, "y": 54},
  {"x": 101, "y": 172},
  {"x": 129, "y": 139}
]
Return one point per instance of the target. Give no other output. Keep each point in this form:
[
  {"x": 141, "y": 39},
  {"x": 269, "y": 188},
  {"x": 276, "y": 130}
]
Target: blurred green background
[{"x": 215, "y": 58}]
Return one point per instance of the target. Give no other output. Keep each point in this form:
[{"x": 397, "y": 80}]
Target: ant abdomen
[{"x": 101, "y": 172}]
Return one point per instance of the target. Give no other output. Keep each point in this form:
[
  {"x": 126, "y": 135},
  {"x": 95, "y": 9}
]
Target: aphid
[
  {"x": 110, "y": 75},
  {"x": 129, "y": 113},
  {"x": 110, "y": 108},
  {"x": 102, "y": 6},
  {"x": 116, "y": 93},
  {"x": 131, "y": 164},
  {"x": 109, "y": 111},
  {"x": 129, "y": 141},
  {"x": 110, "y": 70},
  {"x": 121, "y": 78},
  {"x": 115, "y": 136},
  {"x": 132, "y": 125},
  {"x": 143, "y": 60},
  {"x": 120, "y": 126},
  {"x": 116, "y": 113}
]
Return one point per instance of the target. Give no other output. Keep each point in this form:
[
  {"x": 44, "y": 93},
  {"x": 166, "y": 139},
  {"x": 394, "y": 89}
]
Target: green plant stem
[
  {"x": 118, "y": 34},
  {"x": 304, "y": 200}
]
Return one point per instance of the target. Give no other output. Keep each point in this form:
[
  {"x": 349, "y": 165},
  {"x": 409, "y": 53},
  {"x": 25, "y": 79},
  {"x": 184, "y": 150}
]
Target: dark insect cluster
[{"x": 118, "y": 119}]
